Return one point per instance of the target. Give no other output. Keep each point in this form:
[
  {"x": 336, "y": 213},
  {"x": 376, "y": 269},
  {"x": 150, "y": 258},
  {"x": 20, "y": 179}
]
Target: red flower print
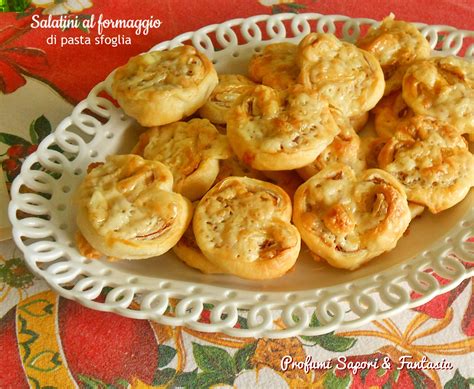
[{"x": 15, "y": 62}]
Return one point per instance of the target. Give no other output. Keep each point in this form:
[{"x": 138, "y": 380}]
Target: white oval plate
[{"x": 165, "y": 290}]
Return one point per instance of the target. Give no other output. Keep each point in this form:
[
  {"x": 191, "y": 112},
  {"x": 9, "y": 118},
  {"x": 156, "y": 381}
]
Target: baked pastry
[
  {"x": 242, "y": 225},
  {"x": 431, "y": 160},
  {"x": 348, "y": 219},
  {"x": 288, "y": 180},
  {"x": 415, "y": 209},
  {"x": 396, "y": 44},
  {"x": 233, "y": 167},
  {"x": 343, "y": 149},
  {"x": 370, "y": 150},
  {"x": 189, "y": 252},
  {"x": 226, "y": 93},
  {"x": 275, "y": 66},
  {"x": 191, "y": 150},
  {"x": 161, "y": 87},
  {"x": 270, "y": 129},
  {"x": 443, "y": 88},
  {"x": 389, "y": 112},
  {"x": 358, "y": 122},
  {"x": 351, "y": 79},
  {"x": 126, "y": 208}
]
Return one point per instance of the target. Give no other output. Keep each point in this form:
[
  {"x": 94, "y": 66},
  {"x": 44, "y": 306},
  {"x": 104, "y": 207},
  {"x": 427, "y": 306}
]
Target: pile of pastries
[{"x": 234, "y": 170}]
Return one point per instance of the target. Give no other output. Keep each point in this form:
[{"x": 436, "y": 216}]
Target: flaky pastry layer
[
  {"x": 343, "y": 149},
  {"x": 431, "y": 160},
  {"x": 443, "y": 88},
  {"x": 191, "y": 150},
  {"x": 389, "y": 112},
  {"x": 242, "y": 225},
  {"x": 224, "y": 96},
  {"x": 270, "y": 129},
  {"x": 161, "y": 87},
  {"x": 275, "y": 66},
  {"x": 348, "y": 219},
  {"x": 395, "y": 44},
  {"x": 126, "y": 208},
  {"x": 351, "y": 79}
]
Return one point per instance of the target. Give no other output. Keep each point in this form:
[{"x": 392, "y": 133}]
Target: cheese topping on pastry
[
  {"x": 127, "y": 208},
  {"x": 389, "y": 112},
  {"x": 431, "y": 160},
  {"x": 271, "y": 129},
  {"x": 351, "y": 79},
  {"x": 395, "y": 44},
  {"x": 224, "y": 96},
  {"x": 276, "y": 66},
  {"x": 242, "y": 225},
  {"x": 161, "y": 87},
  {"x": 191, "y": 150},
  {"x": 343, "y": 149},
  {"x": 443, "y": 88},
  {"x": 348, "y": 219}
]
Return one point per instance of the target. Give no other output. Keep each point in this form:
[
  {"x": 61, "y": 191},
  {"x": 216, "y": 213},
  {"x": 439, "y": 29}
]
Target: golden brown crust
[
  {"x": 395, "y": 44},
  {"x": 189, "y": 252},
  {"x": 443, "y": 88},
  {"x": 351, "y": 79},
  {"x": 431, "y": 160},
  {"x": 242, "y": 225},
  {"x": 370, "y": 150},
  {"x": 389, "y": 112},
  {"x": 126, "y": 208},
  {"x": 348, "y": 219},
  {"x": 276, "y": 66},
  {"x": 191, "y": 150},
  {"x": 233, "y": 167},
  {"x": 343, "y": 149},
  {"x": 358, "y": 122},
  {"x": 224, "y": 96},
  {"x": 85, "y": 248},
  {"x": 280, "y": 130},
  {"x": 288, "y": 180},
  {"x": 161, "y": 87},
  {"x": 415, "y": 209}
]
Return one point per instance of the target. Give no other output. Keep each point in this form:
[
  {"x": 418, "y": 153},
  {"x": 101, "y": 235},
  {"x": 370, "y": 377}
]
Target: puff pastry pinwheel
[
  {"x": 191, "y": 150},
  {"x": 389, "y": 112},
  {"x": 161, "y": 87},
  {"x": 127, "y": 209},
  {"x": 270, "y": 129},
  {"x": 431, "y": 160},
  {"x": 275, "y": 66},
  {"x": 224, "y": 96},
  {"x": 242, "y": 225},
  {"x": 348, "y": 219},
  {"x": 396, "y": 44},
  {"x": 343, "y": 149},
  {"x": 351, "y": 79},
  {"x": 189, "y": 252},
  {"x": 443, "y": 88}
]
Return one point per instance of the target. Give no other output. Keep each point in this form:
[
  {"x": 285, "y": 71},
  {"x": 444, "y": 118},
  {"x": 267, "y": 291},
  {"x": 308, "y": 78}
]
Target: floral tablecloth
[{"x": 47, "y": 341}]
